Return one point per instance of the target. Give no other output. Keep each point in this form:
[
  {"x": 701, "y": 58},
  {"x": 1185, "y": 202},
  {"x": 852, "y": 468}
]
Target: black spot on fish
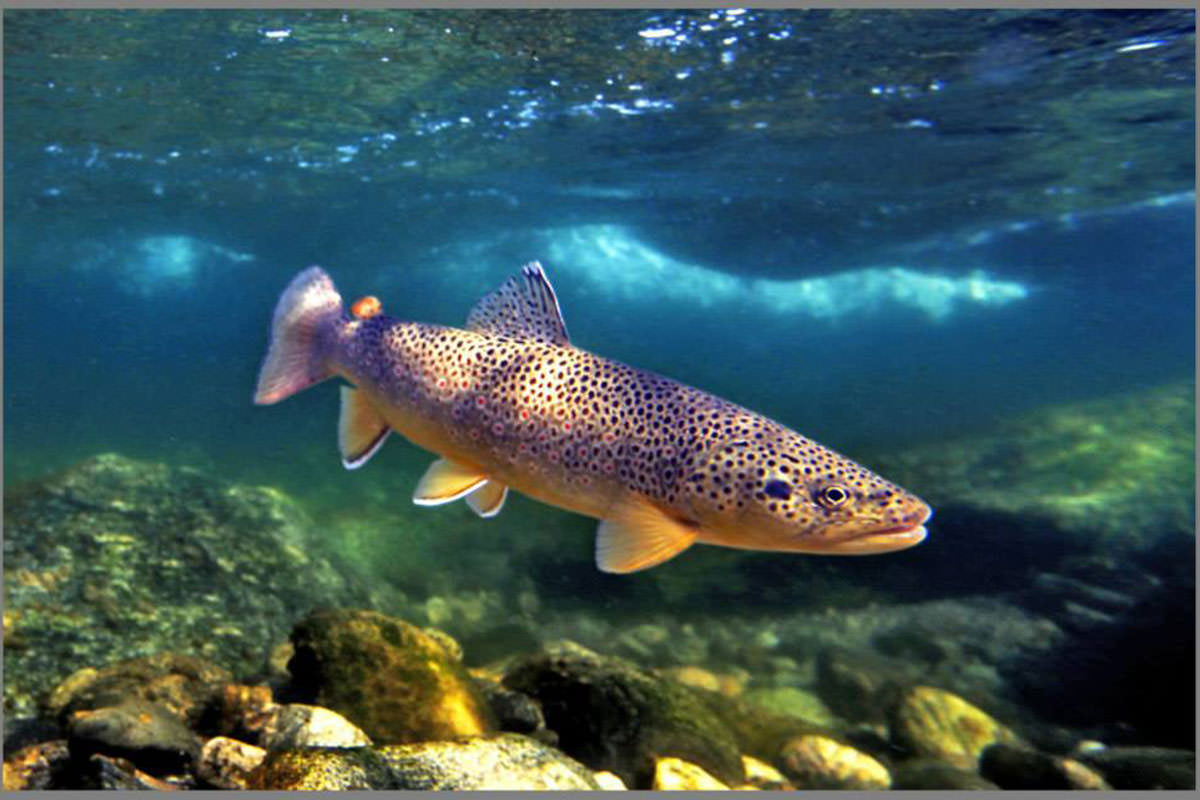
[{"x": 780, "y": 490}]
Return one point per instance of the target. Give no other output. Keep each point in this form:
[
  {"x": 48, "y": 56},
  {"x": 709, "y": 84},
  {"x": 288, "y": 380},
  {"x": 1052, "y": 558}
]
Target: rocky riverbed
[{"x": 166, "y": 629}]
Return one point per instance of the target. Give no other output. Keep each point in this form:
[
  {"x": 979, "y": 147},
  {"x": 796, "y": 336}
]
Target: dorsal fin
[{"x": 524, "y": 307}]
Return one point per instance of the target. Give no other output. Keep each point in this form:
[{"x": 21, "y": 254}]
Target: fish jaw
[
  {"x": 883, "y": 542},
  {"x": 853, "y": 539}
]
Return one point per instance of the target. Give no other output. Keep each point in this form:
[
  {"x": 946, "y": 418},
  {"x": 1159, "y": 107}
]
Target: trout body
[{"x": 509, "y": 403}]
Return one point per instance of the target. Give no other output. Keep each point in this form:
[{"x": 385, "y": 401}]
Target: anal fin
[
  {"x": 488, "y": 499},
  {"x": 446, "y": 481},
  {"x": 361, "y": 430},
  {"x": 638, "y": 535}
]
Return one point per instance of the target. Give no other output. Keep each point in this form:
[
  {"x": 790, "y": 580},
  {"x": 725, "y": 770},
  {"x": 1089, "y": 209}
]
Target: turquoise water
[{"x": 887, "y": 230}]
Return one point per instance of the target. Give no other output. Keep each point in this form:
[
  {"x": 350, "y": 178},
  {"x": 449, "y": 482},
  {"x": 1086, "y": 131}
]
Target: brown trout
[{"x": 509, "y": 403}]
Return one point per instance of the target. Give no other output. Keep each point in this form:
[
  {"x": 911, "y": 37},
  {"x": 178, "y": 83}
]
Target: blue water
[{"x": 883, "y": 229}]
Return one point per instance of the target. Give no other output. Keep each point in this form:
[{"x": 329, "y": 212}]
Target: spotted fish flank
[{"x": 509, "y": 403}]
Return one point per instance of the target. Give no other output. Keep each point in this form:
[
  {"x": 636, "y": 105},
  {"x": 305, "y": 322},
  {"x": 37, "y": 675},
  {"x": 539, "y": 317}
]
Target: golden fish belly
[{"x": 541, "y": 476}]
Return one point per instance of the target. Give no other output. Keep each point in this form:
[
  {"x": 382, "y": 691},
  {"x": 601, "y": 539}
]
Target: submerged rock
[
  {"x": 226, "y": 763},
  {"x": 504, "y": 762},
  {"x": 609, "y": 782},
  {"x": 819, "y": 762},
  {"x": 515, "y": 712},
  {"x": 106, "y": 772},
  {"x": 926, "y": 773},
  {"x": 322, "y": 769},
  {"x": 38, "y": 766},
  {"x": 386, "y": 676},
  {"x": 297, "y": 725},
  {"x": 792, "y": 701},
  {"x": 674, "y": 774},
  {"x": 116, "y": 558},
  {"x": 185, "y": 686},
  {"x": 614, "y": 716},
  {"x": 1144, "y": 767},
  {"x": 762, "y": 775},
  {"x": 1115, "y": 473},
  {"x": 244, "y": 712},
  {"x": 144, "y": 733},
  {"x": 1011, "y": 767},
  {"x": 937, "y": 724}
]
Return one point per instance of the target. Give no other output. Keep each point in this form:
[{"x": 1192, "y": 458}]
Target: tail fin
[{"x": 297, "y": 356}]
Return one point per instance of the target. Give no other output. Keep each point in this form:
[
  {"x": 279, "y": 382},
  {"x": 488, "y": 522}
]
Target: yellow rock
[
  {"x": 937, "y": 724},
  {"x": 818, "y": 762},
  {"x": 674, "y": 774},
  {"x": 761, "y": 775},
  {"x": 609, "y": 782},
  {"x": 1083, "y": 777},
  {"x": 697, "y": 677}
]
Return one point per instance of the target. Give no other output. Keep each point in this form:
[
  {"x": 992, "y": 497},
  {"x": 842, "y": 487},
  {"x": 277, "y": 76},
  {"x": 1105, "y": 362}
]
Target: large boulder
[
  {"x": 390, "y": 678},
  {"x": 116, "y": 558}
]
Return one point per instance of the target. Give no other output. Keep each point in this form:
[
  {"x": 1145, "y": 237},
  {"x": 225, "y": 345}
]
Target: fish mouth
[{"x": 897, "y": 537}]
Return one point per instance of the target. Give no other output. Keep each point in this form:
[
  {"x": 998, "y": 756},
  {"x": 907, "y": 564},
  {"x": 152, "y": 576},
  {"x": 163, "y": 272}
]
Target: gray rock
[
  {"x": 297, "y": 725},
  {"x": 515, "y": 712},
  {"x": 504, "y": 762},
  {"x": 116, "y": 558},
  {"x": 185, "y": 686},
  {"x": 615, "y": 717},
  {"x": 146, "y": 734}
]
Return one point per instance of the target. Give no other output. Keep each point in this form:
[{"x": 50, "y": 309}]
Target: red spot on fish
[
  {"x": 481, "y": 402},
  {"x": 367, "y": 307},
  {"x": 524, "y": 414}
]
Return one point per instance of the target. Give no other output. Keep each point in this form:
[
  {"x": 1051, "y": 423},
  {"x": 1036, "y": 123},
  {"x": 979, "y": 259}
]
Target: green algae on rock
[
  {"x": 793, "y": 702},
  {"x": 613, "y": 716},
  {"x": 386, "y": 676},
  {"x": 116, "y": 558},
  {"x": 1118, "y": 472},
  {"x": 507, "y": 761}
]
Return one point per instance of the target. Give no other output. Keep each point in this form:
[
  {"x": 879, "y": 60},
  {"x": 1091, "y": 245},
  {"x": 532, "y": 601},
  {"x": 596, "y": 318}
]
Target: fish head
[{"x": 786, "y": 492}]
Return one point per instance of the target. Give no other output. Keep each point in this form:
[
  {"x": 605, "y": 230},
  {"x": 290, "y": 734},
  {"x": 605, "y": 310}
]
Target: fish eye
[
  {"x": 833, "y": 496},
  {"x": 780, "y": 490}
]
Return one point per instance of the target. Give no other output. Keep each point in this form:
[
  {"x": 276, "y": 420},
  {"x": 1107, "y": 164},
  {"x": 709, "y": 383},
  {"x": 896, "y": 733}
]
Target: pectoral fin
[
  {"x": 638, "y": 535},
  {"x": 445, "y": 482},
  {"x": 488, "y": 499},
  {"x": 361, "y": 430}
]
